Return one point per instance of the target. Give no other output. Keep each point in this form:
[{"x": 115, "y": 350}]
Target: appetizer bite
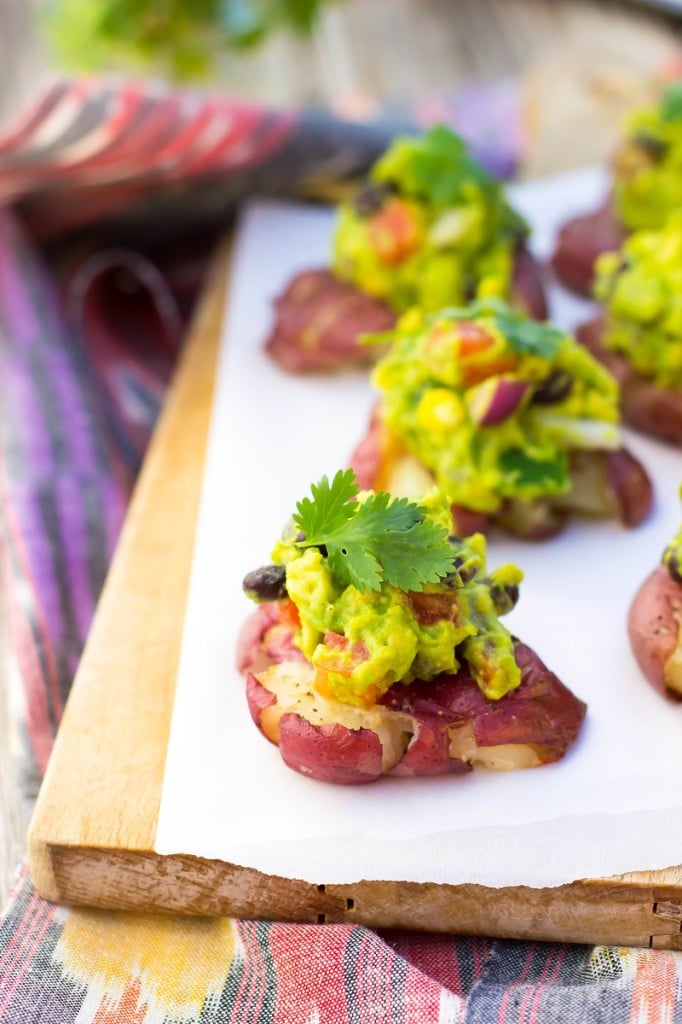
[
  {"x": 638, "y": 337},
  {"x": 647, "y": 187},
  {"x": 513, "y": 420},
  {"x": 655, "y": 623},
  {"x": 377, "y": 647},
  {"x": 429, "y": 227}
]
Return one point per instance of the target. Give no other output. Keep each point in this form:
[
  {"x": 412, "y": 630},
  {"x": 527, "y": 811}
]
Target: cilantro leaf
[
  {"x": 331, "y": 506},
  {"x": 523, "y": 335},
  {"x": 525, "y": 471},
  {"x": 352, "y": 563},
  {"x": 529, "y": 335},
  {"x": 381, "y": 539},
  {"x": 381, "y": 512},
  {"x": 411, "y": 558}
]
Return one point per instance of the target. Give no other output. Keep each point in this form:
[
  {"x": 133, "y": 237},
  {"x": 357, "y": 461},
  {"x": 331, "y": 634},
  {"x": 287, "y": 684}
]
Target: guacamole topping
[
  {"x": 493, "y": 403},
  {"x": 641, "y": 288},
  {"x": 430, "y": 227},
  {"x": 361, "y": 641},
  {"x": 648, "y": 168},
  {"x": 672, "y": 556}
]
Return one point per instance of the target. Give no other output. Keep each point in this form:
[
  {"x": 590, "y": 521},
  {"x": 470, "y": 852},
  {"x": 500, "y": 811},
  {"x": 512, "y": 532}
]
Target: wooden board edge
[
  {"x": 610, "y": 911},
  {"x": 76, "y": 804}
]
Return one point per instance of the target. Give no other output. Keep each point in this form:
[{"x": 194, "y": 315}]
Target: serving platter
[{"x": 161, "y": 795}]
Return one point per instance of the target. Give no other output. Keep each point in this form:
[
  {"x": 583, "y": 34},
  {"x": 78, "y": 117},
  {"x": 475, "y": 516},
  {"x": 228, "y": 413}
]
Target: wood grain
[
  {"x": 609, "y": 911},
  {"x": 103, "y": 784},
  {"x": 92, "y": 838}
]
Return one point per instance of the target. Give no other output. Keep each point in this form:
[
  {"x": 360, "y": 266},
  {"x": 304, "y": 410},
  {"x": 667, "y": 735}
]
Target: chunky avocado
[
  {"x": 361, "y": 643},
  {"x": 641, "y": 289},
  {"x": 648, "y": 168},
  {"x": 430, "y": 227},
  {"x": 494, "y": 404}
]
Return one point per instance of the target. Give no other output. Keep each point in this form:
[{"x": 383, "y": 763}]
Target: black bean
[
  {"x": 651, "y": 145},
  {"x": 553, "y": 389},
  {"x": 267, "y": 583},
  {"x": 504, "y": 597},
  {"x": 371, "y": 197},
  {"x": 672, "y": 564}
]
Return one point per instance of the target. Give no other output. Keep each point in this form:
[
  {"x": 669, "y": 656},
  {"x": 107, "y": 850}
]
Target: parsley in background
[{"x": 178, "y": 38}]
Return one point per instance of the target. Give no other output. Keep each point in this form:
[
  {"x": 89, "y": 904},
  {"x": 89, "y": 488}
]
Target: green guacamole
[
  {"x": 641, "y": 288},
  {"x": 494, "y": 404},
  {"x": 363, "y": 643},
  {"x": 648, "y": 169},
  {"x": 430, "y": 227}
]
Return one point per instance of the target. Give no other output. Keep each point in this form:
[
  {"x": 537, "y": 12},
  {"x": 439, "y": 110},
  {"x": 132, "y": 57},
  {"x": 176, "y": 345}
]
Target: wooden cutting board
[{"x": 92, "y": 839}]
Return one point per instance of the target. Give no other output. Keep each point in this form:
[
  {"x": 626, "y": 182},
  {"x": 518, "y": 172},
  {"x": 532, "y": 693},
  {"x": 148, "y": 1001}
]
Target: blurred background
[{"x": 576, "y": 65}]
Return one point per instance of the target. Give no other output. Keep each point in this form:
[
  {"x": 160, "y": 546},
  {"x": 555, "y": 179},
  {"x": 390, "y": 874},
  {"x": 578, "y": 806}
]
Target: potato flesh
[
  {"x": 293, "y": 685},
  {"x": 398, "y": 731}
]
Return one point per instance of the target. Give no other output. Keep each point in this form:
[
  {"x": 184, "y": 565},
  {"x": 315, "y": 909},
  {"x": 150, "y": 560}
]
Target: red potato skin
[
  {"x": 541, "y": 713},
  {"x": 330, "y": 753},
  {"x": 653, "y": 626},
  {"x": 653, "y": 410},
  {"x": 581, "y": 241},
  {"x": 258, "y": 698},
  {"x": 629, "y": 487},
  {"x": 528, "y": 292},
  {"x": 319, "y": 319}
]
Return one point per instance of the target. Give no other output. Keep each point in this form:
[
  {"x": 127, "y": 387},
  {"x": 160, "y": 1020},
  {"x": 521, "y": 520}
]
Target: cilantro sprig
[
  {"x": 523, "y": 335},
  {"x": 381, "y": 539}
]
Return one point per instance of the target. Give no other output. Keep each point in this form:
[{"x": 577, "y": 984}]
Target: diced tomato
[
  {"x": 476, "y": 360},
  {"x": 472, "y": 339},
  {"x": 475, "y": 372},
  {"x": 347, "y": 657},
  {"x": 288, "y": 614},
  {"x": 394, "y": 232}
]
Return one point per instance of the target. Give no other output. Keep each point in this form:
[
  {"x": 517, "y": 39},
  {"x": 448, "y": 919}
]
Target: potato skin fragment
[
  {"x": 646, "y": 407},
  {"x": 654, "y": 630},
  {"x": 581, "y": 241},
  {"x": 319, "y": 320}
]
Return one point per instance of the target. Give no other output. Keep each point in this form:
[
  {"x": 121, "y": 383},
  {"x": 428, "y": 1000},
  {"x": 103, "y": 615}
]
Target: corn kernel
[{"x": 439, "y": 409}]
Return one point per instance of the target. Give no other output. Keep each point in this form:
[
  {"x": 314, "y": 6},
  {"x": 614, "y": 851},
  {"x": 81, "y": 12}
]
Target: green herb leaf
[
  {"x": 332, "y": 505},
  {"x": 529, "y": 336},
  {"x": 381, "y": 539},
  {"x": 671, "y": 106},
  {"x": 525, "y": 471},
  {"x": 523, "y": 335}
]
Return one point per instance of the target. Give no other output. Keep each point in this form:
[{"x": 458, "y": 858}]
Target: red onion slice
[{"x": 495, "y": 400}]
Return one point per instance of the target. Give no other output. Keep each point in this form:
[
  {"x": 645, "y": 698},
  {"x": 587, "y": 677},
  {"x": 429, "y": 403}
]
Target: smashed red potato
[
  {"x": 609, "y": 484},
  {"x": 655, "y": 631},
  {"x": 319, "y": 319},
  {"x": 653, "y": 410},
  {"x": 445, "y": 726},
  {"x": 581, "y": 241}
]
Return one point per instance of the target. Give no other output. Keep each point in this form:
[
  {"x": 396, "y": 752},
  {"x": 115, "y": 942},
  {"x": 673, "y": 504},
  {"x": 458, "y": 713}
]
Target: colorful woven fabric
[{"x": 91, "y": 320}]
